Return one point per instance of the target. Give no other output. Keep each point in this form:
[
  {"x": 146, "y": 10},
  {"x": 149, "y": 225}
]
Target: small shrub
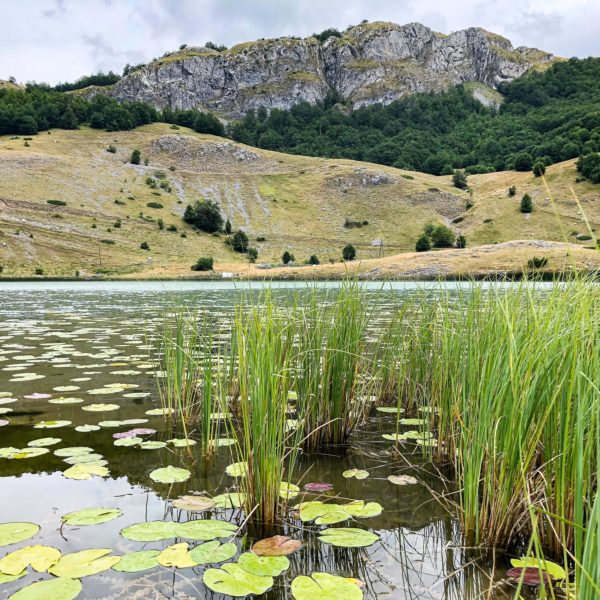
[
  {"x": 161, "y": 224},
  {"x": 408, "y": 176},
  {"x": 39, "y": 271},
  {"x": 154, "y": 205},
  {"x": 458, "y": 220},
  {"x": 117, "y": 224},
  {"x": 1, "y": 269},
  {"x": 205, "y": 263},
  {"x": 488, "y": 220},
  {"x": 433, "y": 189},
  {"x": 171, "y": 228},
  {"x": 156, "y": 194},
  {"x": 136, "y": 157},
  {"x": 120, "y": 202},
  {"x": 239, "y": 241},
  {"x": 107, "y": 242},
  {"x": 261, "y": 238},
  {"x": 183, "y": 235},
  {"x": 228, "y": 227},
  {"x": 442, "y": 237},
  {"x": 164, "y": 185},
  {"x": 523, "y": 161},
  {"x": 112, "y": 149},
  {"x": 539, "y": 168},
  {"x": 423, "y": 243},
  {"x": 56, "y": 202},
  {"x": 537, "y": 262},
  {"x": 160, "y": 174},
  {"x": 314, "y": 260},
  {"x": 145, "y": 246},
  {"x": 349, "y": 252},
  {"x": 461, "y": 241},
  {"x": 252, "y": 255},
  {"x": 94, "y": 226},
  {"x": 146, "y": 161},
  {"x": 27, "y": 144},
  {"x": 172, "y": 168},
  {"x": 526, "y": 204},
  {"x": 459, "y": 180},
  {"x": 512, "y": 190},
  {"x": 287, "y": 258}
]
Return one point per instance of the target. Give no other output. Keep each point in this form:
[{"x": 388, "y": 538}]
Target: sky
[{"x": 61, "y": 40}]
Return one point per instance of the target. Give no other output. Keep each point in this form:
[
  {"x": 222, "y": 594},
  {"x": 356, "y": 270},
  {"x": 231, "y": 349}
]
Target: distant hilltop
[{"x": 365, "y": 64}]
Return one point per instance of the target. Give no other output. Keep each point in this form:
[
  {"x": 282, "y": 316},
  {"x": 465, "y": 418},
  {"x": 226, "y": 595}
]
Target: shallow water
[{"x": 90, "y": 335}]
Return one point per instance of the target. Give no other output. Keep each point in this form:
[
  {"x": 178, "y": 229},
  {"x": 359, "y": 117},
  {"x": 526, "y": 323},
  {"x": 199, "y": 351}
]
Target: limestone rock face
[{"x": 369, "y": 63}]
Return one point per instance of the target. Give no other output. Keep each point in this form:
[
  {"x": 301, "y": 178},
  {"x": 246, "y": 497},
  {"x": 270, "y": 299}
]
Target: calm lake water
[{"x": 75, "y": 340}]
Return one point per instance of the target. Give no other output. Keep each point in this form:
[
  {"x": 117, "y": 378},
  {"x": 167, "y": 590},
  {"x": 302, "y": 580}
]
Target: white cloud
[{"x": 52, "y": 40}]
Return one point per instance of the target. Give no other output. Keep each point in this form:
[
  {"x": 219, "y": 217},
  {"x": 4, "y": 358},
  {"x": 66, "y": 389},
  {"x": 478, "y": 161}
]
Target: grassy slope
[{"x": 296, "y": 203}]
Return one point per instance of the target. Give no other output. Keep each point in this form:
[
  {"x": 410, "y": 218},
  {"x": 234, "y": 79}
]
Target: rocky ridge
[{"x": 369, "y": 63}]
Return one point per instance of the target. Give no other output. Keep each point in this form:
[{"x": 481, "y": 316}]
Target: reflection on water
[{"x": 86, "y": 337}]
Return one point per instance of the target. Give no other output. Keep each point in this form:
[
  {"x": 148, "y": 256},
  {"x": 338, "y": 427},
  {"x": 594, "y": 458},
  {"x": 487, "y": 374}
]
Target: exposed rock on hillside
[{"x": 372, "y": 62}]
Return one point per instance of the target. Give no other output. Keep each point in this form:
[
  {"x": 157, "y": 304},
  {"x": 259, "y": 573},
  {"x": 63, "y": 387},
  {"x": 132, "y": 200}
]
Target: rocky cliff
[{"x": 369, "y": 63}]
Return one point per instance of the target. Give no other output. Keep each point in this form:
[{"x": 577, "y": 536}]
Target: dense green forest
[{"x": 552, "y": 115}]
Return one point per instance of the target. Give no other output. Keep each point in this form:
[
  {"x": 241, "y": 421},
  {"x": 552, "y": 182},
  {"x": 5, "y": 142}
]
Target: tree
[
  {"x": 68, "y": 120},
  {"x": 287, "y": 258},
  {"x": 539, "y": 168},
  {"x": 349, "y": 252},
  {"x": 512, "y": 190},
  {"x": 252, "y": 255},
  {"x": 461, "y": 241},
  {"x": 526, "y": 204},
  {"x": 523, "y": 161},
  {"x": 205, "y": 215},
  {"x": 160, "y": 223},
  {"x": 314, "y": 260},
  {"x": 423, "y": 243},
  {"x": 145, "y": 246},
  {"x": 443, "y": 237},
  {"x": 205, "y": 263},
  {"x": 239, "y": 241},
  {"x": 136, "y": 157},
  {"x": 459, "y": 180},
  {"x": 228, "y": 227}
]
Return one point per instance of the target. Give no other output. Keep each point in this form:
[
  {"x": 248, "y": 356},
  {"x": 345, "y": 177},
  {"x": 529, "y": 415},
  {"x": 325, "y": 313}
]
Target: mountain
[
  {"x": 67, "y": 205},
  {"x": 366, "y": 64}
]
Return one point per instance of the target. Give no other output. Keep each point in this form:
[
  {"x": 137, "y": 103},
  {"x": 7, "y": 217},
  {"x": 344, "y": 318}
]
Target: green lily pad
[
  {"x": 84, "y": 563},
  {"x": 182, "y": 442},
  {"x": 263, "y": 565},
  {"x": 238, "y": 469},
  {"x": 62, "y": 588},
  {"x": 413, "y": 422},
  {"x": 85, "y": 471},
  {"x": 389, "y": 409},
  {"x": 326, "y": 587},
  {"x": 229, "y": 500},
  {"x": 287, "y": 491},
  {"x": 176, "y": 555},
  {"x": 22, "y": 453},
  {"x": 74, "y": 451},
  {"x": 555, "y": 571},
  {"x": 151, "y": 531},
  {"x": 44, "y": 442},
  {"x": 232, "y": 580},
  {"x": 348, "y": 537},
  {"x": 170, "y": 474},
  {"x": 356, "y": 473},
  {"x": 198, "y": 503},
  {"x": 40, "y": 558},
  {"x": 134, "y": 562},
  {"x": 91, "y": 516},
  {"x": 126, "y": 442},
  {"x": 66, "y": 401},
  {"x": 86, "y": 428},
  {"x": 213, "y": 552},
  {"x": 362, "y": 509},
  {"x": 160, "y": 411},
  {"x": 206, "y": 529},
  {"x": 51, "y": 424},
  {"x": 153, "y": 446},
  {"x": 10, "y": 578},
  {"x": 85, "y": 459},
  {"x": 100, "y": 407},
  {"x": 12, "y": 533}
]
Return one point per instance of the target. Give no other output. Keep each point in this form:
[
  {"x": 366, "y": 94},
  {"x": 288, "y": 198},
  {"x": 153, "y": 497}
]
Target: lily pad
[
  {"x": 362, "y": 509},
  {"x": 229, "y": 500},
  {"x": 40, "y": 558},
  {"x": 555, "y": 571},
  {"x": 73, "y": 451},
  {"x": 22, "y": 453},
  {"x": 152, "y": 446},
  {"x": 85, "y": 471},
  {"x": 84, "y": 563},
  {"x": 4, "y": 422},
  {"x": 12, "y": 533},
  {"x": 325, "y": 586},
  {"x": 356, "y": 473},
  {"x": 182, "y": 442},
  {"x": 348, "y": 537},
  {"x": 85, "y": 459},
  {"x": 44, "y": 442},
  {"x": 170, "y": 474},
  {"x": 128, "y": 441},
  {"x": 402, "y": 479},
  {"x": 51, "y": 424},
  {"x": 389, "y": 409},
  {"x": 318, "y": 487},
  {"x": 4, "y": 578},
  {"x": 176, "y": 556},
  {"x": 134, "y": 562},
  {"x": 263, "y": 565},
  {"x": 277, "y": 545},
  {"x": 213, "y": 552},
  {"x": 194, "y": 503},
  {"x": 528, "y": 575},
  {"x": 413, "y": 422},
  {"x": 160, "y": 412},
  {"x": 91, "y": 516},
  {"x": 151, "y": 531},
  {"x": 238, "y": 469},
  {"x": 287, "y": 491},
  {"x": 62, "y": 588},
  {"x": 206, "y": 529},
  {"x": 233, "y": 580},
  {"x": 100, "y": 407},
  {"x": 86, "y": 428}
]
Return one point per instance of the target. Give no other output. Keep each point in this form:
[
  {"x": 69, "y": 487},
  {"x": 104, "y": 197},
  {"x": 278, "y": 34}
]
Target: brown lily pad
[
  {"x": 318, "y": 487},
  {"x": 529, "y": 575},
  {"x": 278, "y": 545}
]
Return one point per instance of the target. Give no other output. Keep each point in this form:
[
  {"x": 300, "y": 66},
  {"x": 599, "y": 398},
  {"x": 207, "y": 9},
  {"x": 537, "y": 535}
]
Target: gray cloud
[{"x": 66, "y": 39}]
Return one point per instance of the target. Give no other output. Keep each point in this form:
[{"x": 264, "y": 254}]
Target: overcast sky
[{"x": 61, "y": 40}]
